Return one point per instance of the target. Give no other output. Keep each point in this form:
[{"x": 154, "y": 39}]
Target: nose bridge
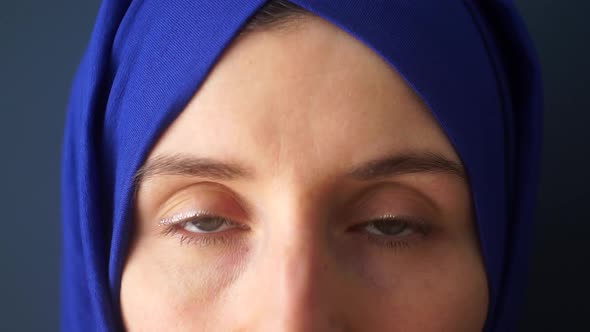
[{"x": 295, "y": 261}]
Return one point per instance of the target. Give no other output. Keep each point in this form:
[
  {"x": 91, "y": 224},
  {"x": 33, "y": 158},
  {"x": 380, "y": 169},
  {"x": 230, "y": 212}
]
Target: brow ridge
[{"x": 396, "y": 165}]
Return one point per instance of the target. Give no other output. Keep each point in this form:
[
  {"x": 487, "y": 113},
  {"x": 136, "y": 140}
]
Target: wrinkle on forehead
[{"x": 305, "y": 100}]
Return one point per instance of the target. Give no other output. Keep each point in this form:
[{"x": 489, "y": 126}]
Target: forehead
[{"x": 313, "y": 95}]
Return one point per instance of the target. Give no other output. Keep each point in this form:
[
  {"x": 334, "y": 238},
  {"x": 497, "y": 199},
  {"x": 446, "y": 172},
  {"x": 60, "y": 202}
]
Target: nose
[{"x": 292, "y": 283}]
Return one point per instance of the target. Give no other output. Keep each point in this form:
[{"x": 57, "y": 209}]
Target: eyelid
[
  {"x": 388, "y": 195},
  {"x": 184, "y": 216},
  {"x": 421, "y": 229},
  {"x": 174, "y": 226},
  {"x": 416, "y": 223}
]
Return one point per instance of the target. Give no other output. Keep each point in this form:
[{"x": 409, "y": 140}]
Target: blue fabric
[{"x": 471, "y": 61}]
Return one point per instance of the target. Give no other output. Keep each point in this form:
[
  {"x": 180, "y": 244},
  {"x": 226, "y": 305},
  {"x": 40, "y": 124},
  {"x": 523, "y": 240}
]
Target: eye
[
  {"x": 389, "y": 226},
  {"x": 202, "y": 228},
  {"x": 207, "y": 224},
  {"x": 393, "y": 231}
]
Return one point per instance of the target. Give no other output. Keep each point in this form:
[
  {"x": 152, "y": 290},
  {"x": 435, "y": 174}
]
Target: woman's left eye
[
  {"x": 393, "y": 231},
  {"x": 207, "y": 224},
  {"x": 389, "y": 227}
]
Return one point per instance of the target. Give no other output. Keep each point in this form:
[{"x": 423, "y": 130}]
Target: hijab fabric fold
[{"x": 472, "y": 62}]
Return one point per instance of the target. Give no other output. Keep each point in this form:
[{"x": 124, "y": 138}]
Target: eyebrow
[
  {"x": 427, "y": 162},
  {"x": 396, "y": 165},
  {"x": 186, "y": 165}
]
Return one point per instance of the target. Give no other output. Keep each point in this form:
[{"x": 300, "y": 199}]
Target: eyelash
[
  {"x": 203, "y": 239},
  {"x": 419, "y": 226}
]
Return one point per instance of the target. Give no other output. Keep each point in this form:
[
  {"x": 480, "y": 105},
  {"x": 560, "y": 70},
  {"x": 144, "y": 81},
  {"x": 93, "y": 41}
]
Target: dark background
[{"x": 41, "y": 43}]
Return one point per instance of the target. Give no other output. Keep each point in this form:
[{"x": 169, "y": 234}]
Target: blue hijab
[{"x": 472, "y": 63}]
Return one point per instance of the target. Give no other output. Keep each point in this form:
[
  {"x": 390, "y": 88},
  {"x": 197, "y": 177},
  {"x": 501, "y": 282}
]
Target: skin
[{"x": 299, "y": 108}]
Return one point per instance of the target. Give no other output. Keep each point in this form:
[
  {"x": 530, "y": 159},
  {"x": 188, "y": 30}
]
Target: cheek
[
  {"x": 164, "y": 288},
  {"x": 446, "y": 291}
]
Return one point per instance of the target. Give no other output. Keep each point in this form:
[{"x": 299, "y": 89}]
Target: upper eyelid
[
  {"x": 411, "y": 220},
  {"x": 409, "y": 194},
  {"x": 207, "y": 187},
  {"x": 183, "y": 216}
]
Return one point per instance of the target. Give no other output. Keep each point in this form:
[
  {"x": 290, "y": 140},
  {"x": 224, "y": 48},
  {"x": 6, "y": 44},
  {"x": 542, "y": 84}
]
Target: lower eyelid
[
  {"x": 392, "y": 242},
  {"x": 388, "y": 243},
  {"x": 202, "y": 239}
]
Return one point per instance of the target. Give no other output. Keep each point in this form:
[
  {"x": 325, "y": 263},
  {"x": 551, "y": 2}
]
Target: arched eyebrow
[
  {"x": 188, "y": 165},
  {"x": 425, "y": 162},
  {"x": 389, "y": 166}
]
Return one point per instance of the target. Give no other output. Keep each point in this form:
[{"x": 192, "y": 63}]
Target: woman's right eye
[{"x": 207, "y": 224}]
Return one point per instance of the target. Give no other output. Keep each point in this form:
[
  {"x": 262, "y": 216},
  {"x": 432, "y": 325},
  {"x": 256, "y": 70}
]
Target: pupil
[
  {"x": 390, "y": 227},
  {"x": 209, "y": 224}
]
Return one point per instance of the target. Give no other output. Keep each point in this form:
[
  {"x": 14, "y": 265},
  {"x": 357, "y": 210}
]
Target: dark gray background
[{"x": 41, "y": 43}]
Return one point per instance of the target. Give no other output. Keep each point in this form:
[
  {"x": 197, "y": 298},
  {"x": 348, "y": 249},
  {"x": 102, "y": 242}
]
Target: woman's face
[{"x": 305, "y": 187}]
